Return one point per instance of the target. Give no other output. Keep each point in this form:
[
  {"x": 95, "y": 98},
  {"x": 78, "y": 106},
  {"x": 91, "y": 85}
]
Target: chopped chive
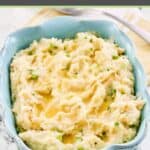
[
  {"x": 91, "y": 40},
  {"x": 108, "y": 108},
  {"x": 111, "y": 92},
  {"x": 51, "y": 52},
  {"x": 55, "y": 47},
  {"x": 67, "y": 54},
  {"x": 79, "y": 138},
  {"x": 125, "y": 141},
  {"x": 116, "y": 124},
  {"x": 80, "y": 148},
  {"x": 59, "y": 130},
  {"x": 131, "y": 78},
  {"x": 33, "y": 75},
  {"x": 75, "y": 73},
  {"x": 122, "y": 92},
  {"x": 65, "y": 47},
  {"x": 52, "y": 46},
  {"x": 108, "y": 69},
  {"x": 30, "y": 52},
  {"x": 67, "y": 67},
  {"x": 115, "y": 57},
  {"x": 91, "y": 49},
  {"x": 56, "y": 129},
  {"x": 60, "y": 137},
  {"x": 33, "y": 94}
]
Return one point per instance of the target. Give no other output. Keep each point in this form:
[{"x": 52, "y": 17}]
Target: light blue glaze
[{"x": 67, "y": 27}]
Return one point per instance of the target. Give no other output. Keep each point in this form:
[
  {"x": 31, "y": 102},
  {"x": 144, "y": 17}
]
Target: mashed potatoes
[{"x": 74, "y": 94}]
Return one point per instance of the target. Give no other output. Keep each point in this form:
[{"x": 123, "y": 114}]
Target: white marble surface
[{"x": 14, "y": 18}]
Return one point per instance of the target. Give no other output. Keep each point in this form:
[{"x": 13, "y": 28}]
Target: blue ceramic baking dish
[{"x": 67, "y": 27}]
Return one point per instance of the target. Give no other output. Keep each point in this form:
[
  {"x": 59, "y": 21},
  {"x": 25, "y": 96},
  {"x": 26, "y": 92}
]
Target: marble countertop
[{"x": 14, "y": 18}]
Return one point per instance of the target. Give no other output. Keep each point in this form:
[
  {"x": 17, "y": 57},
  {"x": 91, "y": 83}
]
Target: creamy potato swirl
[{"x": 74, "y": 94}]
